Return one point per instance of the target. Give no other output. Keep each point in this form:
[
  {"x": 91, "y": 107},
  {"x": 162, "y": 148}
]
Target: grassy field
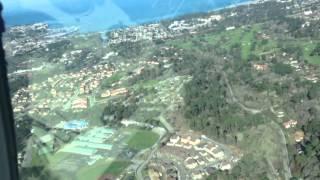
[
  {"x": 137, "y": 139},
  {"x": 117, "y": 167},
  {"x": 102, "y": 167},
  {"x": 246, "y": 45},
  {"x": 94, "y": 171},
  {"x": 269, "y": 47},
  {"x": 142, "y": 139},
  {"x": 244, "y": 36},
  {"x": 230, "y": 38},
  {"x": 150, "y": 83},
  {"x": 113, "y": 79},
  {"x": 264, "y": 143},
  {"x": 87, "y": 42},
  {"x": 112, "y": 166},
  {"x": 307, "y": 49},
  {"x": 49, "y": 70},
  {"x": 181, "y": 43},
  {"x": 226, "y": 40},
  {"x": 57, "y": 157}
]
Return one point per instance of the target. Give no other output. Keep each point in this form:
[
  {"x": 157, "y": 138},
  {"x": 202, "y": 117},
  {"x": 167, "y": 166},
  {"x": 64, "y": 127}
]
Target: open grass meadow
[{"x": 142, "y": 139}]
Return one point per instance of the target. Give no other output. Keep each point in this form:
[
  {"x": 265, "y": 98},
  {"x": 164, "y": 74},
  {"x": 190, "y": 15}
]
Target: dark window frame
[{"x": 8, "y": 151}]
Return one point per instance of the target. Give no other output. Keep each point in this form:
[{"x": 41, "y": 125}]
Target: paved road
[
  {"x": 182, "y": 172},
  {"x": 139, "y": 170},
  {"x": 167, "y": 125},
  {"x": 153, "y": 149},
  {"x": 163, "y": 120}
]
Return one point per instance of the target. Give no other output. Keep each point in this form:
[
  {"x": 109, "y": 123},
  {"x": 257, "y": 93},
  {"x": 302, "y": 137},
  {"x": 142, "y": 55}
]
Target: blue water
[{"x": 98, "y": 15}]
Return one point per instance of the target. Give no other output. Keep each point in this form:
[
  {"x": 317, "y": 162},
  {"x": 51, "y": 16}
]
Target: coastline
[
  {"x": 113, "y": 27},
  {"x": 250, "y": 2},
  {"x": 166, "y": 18},
  {"x": 173, "y": 17}
]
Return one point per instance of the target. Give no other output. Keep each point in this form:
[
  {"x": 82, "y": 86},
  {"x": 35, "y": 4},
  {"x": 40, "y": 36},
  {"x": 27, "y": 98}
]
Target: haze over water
[{"x": 97, "y": 15}]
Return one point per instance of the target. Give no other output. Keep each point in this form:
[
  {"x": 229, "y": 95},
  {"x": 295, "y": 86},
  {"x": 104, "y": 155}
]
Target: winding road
[
  {"x": 286, "y": 165},
  {"x": 234, "y": 99},
  {"x": 286, "y": 161}
]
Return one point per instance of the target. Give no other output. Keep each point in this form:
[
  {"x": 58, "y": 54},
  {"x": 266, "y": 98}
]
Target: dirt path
[
  {"x": 283, "y": 140},
  {"x": 282, "y": 137},
  {"x": 234, "y": 99}
]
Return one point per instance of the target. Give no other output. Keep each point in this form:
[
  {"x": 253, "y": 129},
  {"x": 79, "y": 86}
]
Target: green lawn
[
  {"x": 142, "y": 139},
  {"x": 93, "y": 172},
  {"x": 181, "y": 43},
  {"x": 307, "y": 49},
  {"x": 38, "y": 160},
  {"x": 146, "y": 84},
  {"x": 246, "y": 45},
  {"x": 239, "y": 35},
  {"x": 247, "y": 41},
  {"x": 49, "y": 70},
  {"x": 116, "y": 167},
  {"x": 235, "y": 37},
  {"x": 212, "y": 38},
  {"x": 226, "y": 39},
  {"x": 87, "y": 42},
  {"x": 264, "y": 143},
  {"x": 55, "y": 158},
  {"x": 269, "y": 47},
  {"x": 101, "y": 168},
  {"x": 114, "y": 78}
]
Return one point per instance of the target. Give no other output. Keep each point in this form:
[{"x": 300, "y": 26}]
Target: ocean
[{"x": 101, "y": 15}]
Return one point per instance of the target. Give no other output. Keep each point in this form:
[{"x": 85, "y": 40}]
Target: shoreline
[
  {"x": 250, "y": 2},
  {"x": 170, "y": 17},
  {"x": 167, "y": 18}
]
